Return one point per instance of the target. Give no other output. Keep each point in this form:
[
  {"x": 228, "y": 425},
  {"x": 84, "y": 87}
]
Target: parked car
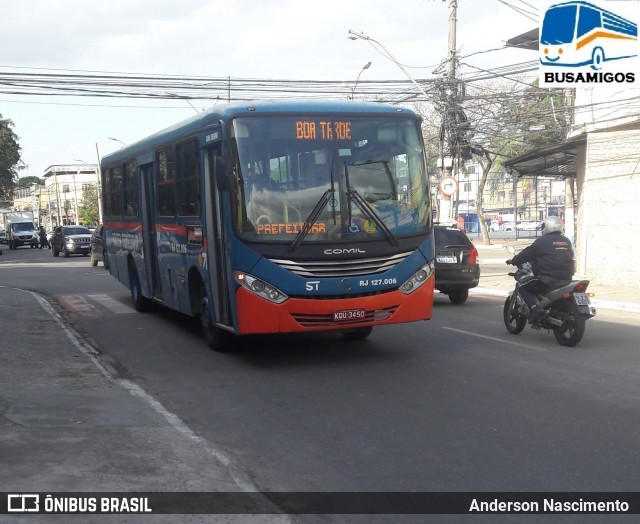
[
  {"x": 457, "y": 265},
  {"x": 98, "y": 248},
  {"x": 529, "y": 225},
  {"x": 71, "y": 240}
]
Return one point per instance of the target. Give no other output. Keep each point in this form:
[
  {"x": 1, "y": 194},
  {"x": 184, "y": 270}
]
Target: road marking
[
  {"x": 76, "y": 304},
  {"x": 495, "y": 339},
  {"x": 111, "y": 304}
]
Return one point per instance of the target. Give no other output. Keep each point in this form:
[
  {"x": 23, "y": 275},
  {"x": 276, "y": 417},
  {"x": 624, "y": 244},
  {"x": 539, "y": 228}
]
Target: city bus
[
  {"x": 276, "y": 217},
  {"x": 578, "y": 33}
]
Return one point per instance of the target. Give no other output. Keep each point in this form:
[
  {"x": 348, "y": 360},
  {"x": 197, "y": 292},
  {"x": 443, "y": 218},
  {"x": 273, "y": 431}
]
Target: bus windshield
[
  {"x": 559, "y": 25},
  {"x": 314, "y": 179}
]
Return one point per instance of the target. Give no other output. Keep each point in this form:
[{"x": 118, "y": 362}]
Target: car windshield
[
  {"x": 76, "y": 231},
  {"x": 22, "y": 226},
  {"x": 342, "y": 179}
]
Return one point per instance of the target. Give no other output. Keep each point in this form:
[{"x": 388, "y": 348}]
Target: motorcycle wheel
[
  {"x": 572, "y": 329},
  {"x": 514, "y": 321}
]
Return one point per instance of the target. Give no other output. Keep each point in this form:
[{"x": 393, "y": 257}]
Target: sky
[{"x": 275, "y": 39}]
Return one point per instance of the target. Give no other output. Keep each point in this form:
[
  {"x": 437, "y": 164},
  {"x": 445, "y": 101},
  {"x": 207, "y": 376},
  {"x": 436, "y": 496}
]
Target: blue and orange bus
[{"x": 276, "y": 217}]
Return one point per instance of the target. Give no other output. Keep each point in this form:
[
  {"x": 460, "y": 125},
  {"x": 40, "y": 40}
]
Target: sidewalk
[
  {"x": 69, "y": 424},
  {"x": 495, "y": 255}
]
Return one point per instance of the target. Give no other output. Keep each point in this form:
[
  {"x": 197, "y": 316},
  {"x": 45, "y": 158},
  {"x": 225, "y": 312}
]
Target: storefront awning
[
  {"x": 554, "y": 161},
  {"x": 528, "y": 40}
]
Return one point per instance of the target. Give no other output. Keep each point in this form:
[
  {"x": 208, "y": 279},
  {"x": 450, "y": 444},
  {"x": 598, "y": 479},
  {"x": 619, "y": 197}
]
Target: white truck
[{"x": 20, "y": 229}]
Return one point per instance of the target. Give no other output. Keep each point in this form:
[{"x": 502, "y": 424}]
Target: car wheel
[{"x": 459, "y": 296}]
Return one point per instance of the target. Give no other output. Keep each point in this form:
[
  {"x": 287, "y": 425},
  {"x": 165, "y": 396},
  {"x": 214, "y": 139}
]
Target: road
[{"x": 452, "y": 404}]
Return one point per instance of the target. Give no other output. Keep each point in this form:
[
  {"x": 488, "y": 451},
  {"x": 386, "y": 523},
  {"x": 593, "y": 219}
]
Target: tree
[
  {"x": 10, "y": 159},
  {"x": 88, "y": 209},
  {"x": 26, "y": 181},
  {"x": 507, "y": 120}
]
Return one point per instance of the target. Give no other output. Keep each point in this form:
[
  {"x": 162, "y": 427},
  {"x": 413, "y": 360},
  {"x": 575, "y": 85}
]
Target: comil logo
[{"x": 586, "y": 44}]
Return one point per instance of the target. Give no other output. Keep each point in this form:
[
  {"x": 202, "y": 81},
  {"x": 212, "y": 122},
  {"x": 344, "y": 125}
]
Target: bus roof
[{"x": 224, "y": 112}]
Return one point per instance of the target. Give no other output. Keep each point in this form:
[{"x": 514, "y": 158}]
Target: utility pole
[{"x": 448, "y": 101}]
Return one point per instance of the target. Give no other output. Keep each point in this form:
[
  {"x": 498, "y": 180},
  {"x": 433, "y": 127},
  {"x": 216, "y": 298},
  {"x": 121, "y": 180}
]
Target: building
[
  {"x": 600, "y": 162},
  {"x": 506, "y": 196},
  {"x": 63, "y": 193}
]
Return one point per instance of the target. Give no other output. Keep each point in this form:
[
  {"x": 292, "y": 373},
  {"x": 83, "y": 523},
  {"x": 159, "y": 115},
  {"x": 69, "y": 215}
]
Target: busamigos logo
[{"x": 585, "y": 44}]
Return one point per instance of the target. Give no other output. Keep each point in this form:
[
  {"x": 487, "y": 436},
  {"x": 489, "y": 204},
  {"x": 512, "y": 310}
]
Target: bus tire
[
  {"x": 358, "y": 333},
  {"x": 216, "y": 338},
  {"x": 597, "y": 58},
  {"x": 140, "y": 303}
]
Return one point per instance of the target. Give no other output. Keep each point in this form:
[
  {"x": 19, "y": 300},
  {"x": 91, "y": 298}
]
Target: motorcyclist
[{"x": 552, "y": 262}]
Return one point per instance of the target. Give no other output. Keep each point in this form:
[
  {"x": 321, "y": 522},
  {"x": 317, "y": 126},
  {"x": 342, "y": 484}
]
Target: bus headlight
[
  {"x": 260, "y": 287},
  {"x": 417, "y": 279}
]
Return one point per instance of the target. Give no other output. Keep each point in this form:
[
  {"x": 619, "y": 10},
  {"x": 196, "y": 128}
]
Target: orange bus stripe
[{"x": 601, "y": 34}]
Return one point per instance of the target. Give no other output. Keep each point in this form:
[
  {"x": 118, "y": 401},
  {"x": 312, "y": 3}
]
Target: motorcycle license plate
[
  {"x": 582, "y": 299},
  {"x": 346, "y": 315}
]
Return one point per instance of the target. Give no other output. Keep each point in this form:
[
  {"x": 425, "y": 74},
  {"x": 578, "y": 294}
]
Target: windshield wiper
[
  {"x": 308, "y": 223},
  {"x": 354, "y": 196}
]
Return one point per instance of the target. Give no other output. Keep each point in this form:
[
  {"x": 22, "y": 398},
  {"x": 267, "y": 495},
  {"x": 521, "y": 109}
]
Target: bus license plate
[
  {"x": 582, "y": 299},
  {"x": 348, "y": 314}
]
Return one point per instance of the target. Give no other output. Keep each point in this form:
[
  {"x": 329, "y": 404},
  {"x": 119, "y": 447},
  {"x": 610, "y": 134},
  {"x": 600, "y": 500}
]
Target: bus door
[
  {"x": 215, "y": 236},
  {"x": 149, "y": 234}
]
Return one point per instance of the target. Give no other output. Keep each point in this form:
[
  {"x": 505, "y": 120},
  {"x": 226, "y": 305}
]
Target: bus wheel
[
  {"x": 357, "y": 334},
  {"x": 140, "y": 303},
  {"x": 216, "y": 338},
  {"x": 597, "y": 58}
]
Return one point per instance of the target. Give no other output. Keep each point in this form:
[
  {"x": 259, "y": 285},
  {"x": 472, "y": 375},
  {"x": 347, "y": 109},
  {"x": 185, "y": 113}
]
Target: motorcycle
[{"x": 565, "y": 308}]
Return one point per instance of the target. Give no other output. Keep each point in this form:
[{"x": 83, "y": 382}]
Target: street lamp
[
  {"x": 116, "y": 140},
  {"x": 353, "y": 90},
  {"x": 353, "y": 35}
]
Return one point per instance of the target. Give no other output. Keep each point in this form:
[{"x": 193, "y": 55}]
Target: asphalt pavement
[{"x": 72, "y": 422}]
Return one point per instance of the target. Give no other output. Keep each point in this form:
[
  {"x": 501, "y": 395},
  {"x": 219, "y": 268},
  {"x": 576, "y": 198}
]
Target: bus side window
[{"x": 166, "y": 183}]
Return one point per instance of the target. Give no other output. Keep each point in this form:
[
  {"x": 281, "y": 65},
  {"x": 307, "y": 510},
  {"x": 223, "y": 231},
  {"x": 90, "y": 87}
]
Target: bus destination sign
[{"x": 322, "y": 130}]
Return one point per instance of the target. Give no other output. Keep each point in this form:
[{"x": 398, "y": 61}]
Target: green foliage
[
  {"x": 10, "y": 160},
  {"x": 88, "y": 210},
  {"x": 26, "y": 181}
]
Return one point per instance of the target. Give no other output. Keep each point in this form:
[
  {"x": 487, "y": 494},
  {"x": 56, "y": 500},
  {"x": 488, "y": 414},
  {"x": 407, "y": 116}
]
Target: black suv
[
  {"x": 71, "y": 240},
  {"x": 457, "y": 268}
]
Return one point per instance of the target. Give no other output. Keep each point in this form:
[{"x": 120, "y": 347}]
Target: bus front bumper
[{"x": 257, "y": 315}]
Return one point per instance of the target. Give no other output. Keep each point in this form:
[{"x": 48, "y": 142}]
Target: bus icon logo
[
  {"x": 23, "y": 503},
  {"x": 578, "y": 36}
]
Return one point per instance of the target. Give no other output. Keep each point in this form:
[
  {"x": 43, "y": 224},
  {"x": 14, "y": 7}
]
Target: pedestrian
[{"x": 42, "y": 234}]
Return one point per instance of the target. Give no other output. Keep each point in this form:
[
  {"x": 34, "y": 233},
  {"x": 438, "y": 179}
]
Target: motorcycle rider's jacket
[{"x": 551, "y": 257}]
